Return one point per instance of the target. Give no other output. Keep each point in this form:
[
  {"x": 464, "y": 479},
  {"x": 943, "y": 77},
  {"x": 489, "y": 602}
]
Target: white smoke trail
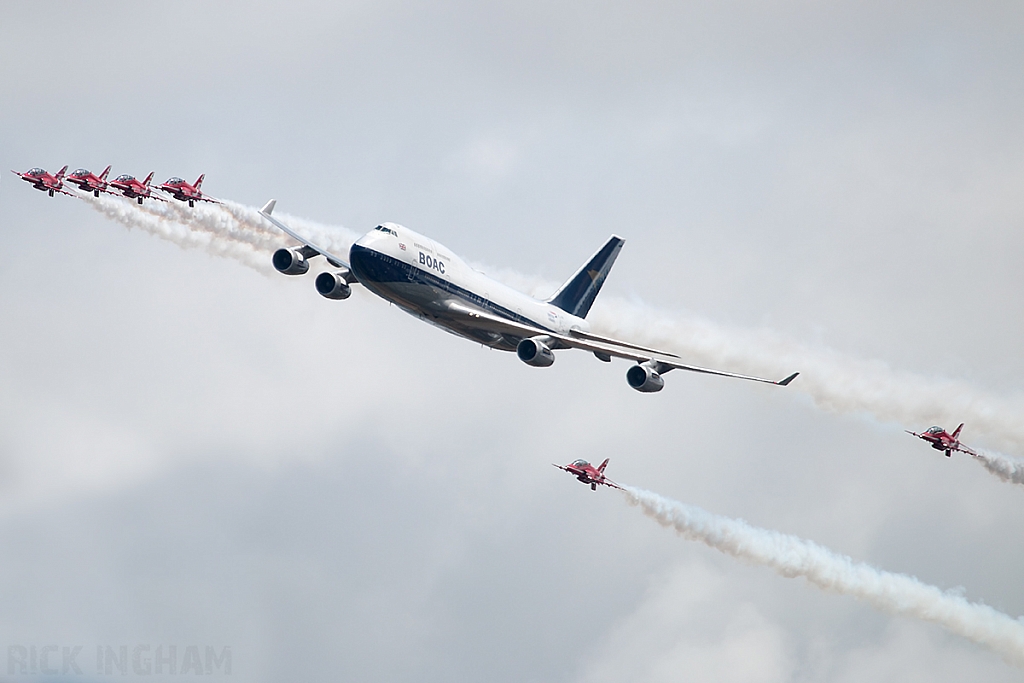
[
  {"x": 184, "y": 235},
  {"x": 836, "y": 382},
  {"x": 1006, "y": 468},
  {"x": 230, "y": 230},
  {"x": 791, "y": 557}
]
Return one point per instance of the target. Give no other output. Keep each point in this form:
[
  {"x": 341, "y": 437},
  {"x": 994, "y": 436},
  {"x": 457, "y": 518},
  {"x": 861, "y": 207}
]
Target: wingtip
[
  {"x": 268, "y": 208},
  {"x": 789, "y": 379}
]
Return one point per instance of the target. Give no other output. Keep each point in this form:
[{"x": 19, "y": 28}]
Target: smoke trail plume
[
  {"x": 791, "y": 557},
  {"x": 836, "y": 382},
  {"x": 1006, "y": 468},
  {"x": 230, "y": 230},
  {"x": 159, "y": 223}
]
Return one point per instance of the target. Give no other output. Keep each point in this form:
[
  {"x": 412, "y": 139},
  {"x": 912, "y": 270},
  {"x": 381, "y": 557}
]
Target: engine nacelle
[
  {"x": 333, "y": 286},
  {"x": 645, "y": 379},
  {"x": 535, "y": 352},
  {"x": 290, "y": 262}
]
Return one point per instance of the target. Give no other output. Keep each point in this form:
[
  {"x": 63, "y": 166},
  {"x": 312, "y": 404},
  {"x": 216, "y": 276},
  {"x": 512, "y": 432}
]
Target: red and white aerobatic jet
[
  {"x": 183, "y": 192},
  {"x": 132, "y": 188},
  {"x": 90, "y": 182},
  {"x": 44, "y": 182},
  {"x": 940, "y": 440},
  {"x": 588, "y": 474}
]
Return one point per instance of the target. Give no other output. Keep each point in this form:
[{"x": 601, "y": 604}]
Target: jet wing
[
  {"x": 335, "y": 261},
  {"x": 606, "y": 346},
  {"x": 964, "y": 449}
]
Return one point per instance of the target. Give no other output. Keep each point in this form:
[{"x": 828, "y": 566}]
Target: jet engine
[
  {"x": 535, "y": 352},
  {"x": 644, "y": 378},
  {"x": 290, "y": 262},
  {"x": 333, "y": 285}
]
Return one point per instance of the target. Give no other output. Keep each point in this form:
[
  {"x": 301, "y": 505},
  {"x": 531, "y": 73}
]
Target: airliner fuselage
[{"x": 423, "y": 277}]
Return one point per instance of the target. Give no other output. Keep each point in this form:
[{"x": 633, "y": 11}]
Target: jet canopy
[
  {"x": 124, "y": 178},
  {"x": 175, "y": 181},
  {"x": 80, "y": 172},
  {"x": 934, "y": 430},
  {"x": 35, "y": 171},
  {"x": 580, "y": 463}
]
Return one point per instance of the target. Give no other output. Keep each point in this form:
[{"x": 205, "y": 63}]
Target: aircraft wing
[
  {"x": 964, "y": 449},
  {"x": 599, "y": 346},
  {"x": 335, "y": 261}
]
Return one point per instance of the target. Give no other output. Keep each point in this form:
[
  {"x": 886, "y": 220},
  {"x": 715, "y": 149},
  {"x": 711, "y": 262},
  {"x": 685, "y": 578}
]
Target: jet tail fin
[
  {"x": 103, "y": 176},
  {"x": 956, "y": 432},
  {"x": 199, "y": 182},
  {"x": 61, "y": 172},
  {"x": 148, "y": 179},
  {"x": 577, "y": 295},
  {"x": 603, "y": 465}
]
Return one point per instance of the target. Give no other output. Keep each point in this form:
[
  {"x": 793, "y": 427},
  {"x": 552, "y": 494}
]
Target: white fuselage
[{"x": 423, "y": 278}]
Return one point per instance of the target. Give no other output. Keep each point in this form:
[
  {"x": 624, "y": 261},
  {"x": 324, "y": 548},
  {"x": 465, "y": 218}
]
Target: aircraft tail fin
[
  {"x": 148, "y": 179},
  {"x": 199, "y": 182},
  {"x": 103, "y": 176},
  {"x": 577, "y": 295},
  {"x": 603, "y": 465},
  {"x": 956, "y": 432},
  {"x": 61, "y": 172}
]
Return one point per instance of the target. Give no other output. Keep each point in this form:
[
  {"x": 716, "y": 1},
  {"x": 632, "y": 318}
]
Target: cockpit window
[
  {"x": 387, "y": 230},
  {"x": 124, "y": 178},
  {"x": 35, "y": 171},
  {"x": 580, "y": 463},
  {"x": 80, "y": 172},
  {"x": 175, "y": 181},
  {"x": 935, "y": 430}
]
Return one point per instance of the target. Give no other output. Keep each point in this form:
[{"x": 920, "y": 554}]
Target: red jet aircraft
[
  {"x": 41, "y": 180},
  {"x": 588, "y": 474},
  {"x": 130, "y": 187},
  {"x": 183, "y": 192},
  {"x": 85, "y": 180},
  {"x": 941, "y": 441}
]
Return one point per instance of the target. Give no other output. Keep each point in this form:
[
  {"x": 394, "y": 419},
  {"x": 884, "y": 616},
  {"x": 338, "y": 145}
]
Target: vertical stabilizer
[
  {"x": 199, "y": 183},
  {"x": 956, "y": 433},
  {"x": 577, "y": 295},
  {"x": 603, "y": 465},
  {"x": 103, "y": 176}
]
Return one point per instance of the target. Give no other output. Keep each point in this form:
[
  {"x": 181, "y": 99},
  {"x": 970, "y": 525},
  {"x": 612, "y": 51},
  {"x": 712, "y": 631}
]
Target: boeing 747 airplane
[{"x": 428, "y": 281}]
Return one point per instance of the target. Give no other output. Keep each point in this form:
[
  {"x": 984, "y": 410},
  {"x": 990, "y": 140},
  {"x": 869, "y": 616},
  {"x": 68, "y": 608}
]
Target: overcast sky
[{"x": 196, "y": 453}]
